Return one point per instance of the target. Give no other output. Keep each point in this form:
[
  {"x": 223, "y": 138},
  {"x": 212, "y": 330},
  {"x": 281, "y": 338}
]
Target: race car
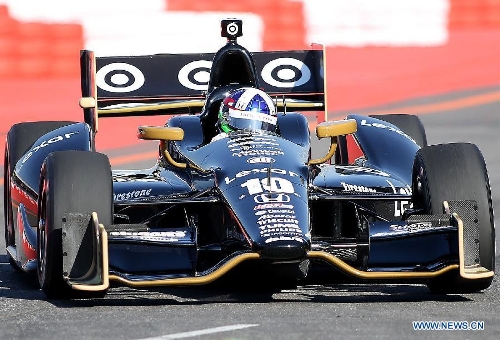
[{"x": 380, "y": 205}]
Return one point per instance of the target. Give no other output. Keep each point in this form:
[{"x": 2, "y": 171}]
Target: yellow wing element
[{"x": 333, "y": 130}]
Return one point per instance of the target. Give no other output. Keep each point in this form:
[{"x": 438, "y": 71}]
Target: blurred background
[{"x": 378, "y": 52}]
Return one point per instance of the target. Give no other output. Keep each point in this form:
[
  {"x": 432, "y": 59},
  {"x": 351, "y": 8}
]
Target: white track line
[{"x": 201, "y": 332}]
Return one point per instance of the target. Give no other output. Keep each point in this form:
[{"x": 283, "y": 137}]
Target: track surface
[{"x": 309, "y": 312}]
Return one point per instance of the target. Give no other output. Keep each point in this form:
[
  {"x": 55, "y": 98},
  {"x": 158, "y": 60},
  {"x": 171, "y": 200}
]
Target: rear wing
[{"x": 177, "y": 83}]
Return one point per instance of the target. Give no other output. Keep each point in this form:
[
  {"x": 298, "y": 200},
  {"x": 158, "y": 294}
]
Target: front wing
[{"x": 462, "y": 254}]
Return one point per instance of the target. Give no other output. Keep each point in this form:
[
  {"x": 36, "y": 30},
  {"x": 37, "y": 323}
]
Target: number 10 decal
[{"x": 272, "y": 184}]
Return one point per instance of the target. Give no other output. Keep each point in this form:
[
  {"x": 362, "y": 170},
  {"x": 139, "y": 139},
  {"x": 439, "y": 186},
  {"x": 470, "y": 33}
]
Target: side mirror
[
  {"x": 333, "y": 130},
  {"x": 163, "y": 134}
]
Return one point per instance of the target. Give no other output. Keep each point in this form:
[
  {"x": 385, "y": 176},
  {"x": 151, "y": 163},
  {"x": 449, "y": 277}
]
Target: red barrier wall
[
  {"x": 33, "y": 50},
  {"x": 39, "y": 73},
  {"x": 38, "y": 50},
  {"x": 475, "y": 14}
]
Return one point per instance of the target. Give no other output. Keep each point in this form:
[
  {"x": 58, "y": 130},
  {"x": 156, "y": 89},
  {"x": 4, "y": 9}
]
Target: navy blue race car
[{"x": 235, "y": 186}]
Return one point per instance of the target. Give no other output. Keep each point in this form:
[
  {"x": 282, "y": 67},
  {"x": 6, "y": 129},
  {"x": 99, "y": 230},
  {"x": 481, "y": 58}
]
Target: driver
[{"x": 246, "y": 108}]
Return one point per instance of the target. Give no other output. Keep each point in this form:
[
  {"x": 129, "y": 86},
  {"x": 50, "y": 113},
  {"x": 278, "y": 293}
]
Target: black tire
[
  {"x": 409, "y": 124},
  {"x": 20, "y": 139},
  {"x": 456, "y": 171},
  {"x": 71, "y": 181}
]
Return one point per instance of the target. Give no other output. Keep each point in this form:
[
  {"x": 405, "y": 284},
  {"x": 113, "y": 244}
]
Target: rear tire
[
  {"x": 20, "y": 139},
  {"x": 456, "y": 171},
  {"x": 71, "y": 181},
  {"x": 409, "y": 124}
]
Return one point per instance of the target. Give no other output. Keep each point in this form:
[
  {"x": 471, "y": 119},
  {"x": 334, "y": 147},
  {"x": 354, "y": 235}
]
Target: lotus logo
[{"x": 272, "y": 198}]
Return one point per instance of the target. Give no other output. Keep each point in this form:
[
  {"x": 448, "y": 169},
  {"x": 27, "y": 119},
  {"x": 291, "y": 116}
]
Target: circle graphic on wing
[
  {"x": 232, "y": 28},
  {"x": 119, "y": 77},
  {"x": 195, "y": 75},
  {"x": 286, "y": 72}
]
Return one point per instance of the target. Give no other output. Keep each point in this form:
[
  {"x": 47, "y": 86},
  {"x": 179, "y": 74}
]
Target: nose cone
[{"x": 283, "y": 248}]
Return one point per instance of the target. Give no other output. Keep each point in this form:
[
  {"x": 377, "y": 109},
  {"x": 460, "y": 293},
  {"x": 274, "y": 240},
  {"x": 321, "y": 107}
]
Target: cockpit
[{"x": 232, "y": 67}]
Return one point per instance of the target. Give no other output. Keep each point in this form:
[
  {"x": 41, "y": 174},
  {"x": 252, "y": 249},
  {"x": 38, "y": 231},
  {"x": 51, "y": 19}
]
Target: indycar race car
[{"x": 380, "y": 205}]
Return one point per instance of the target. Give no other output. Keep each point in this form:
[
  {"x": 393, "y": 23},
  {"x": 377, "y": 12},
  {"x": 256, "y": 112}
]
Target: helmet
[{"x": 247, "y": 108}]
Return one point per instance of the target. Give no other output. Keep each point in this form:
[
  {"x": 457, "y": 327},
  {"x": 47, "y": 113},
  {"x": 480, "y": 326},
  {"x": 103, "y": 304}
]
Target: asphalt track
[{"x": 340, "y": 310}]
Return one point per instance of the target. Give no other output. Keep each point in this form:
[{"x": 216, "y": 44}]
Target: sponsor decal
[
  {"x": 262, "y": 171},
  {"x": 265, "y": 160},
  {"x": 277, "y": 215},
  {"x": 232, "y": 29},
  {"x": 159, "y": 236},
  {"x": 239, "y": 113},
  {"x": 119, "y": 78},
  {"x": 48, "y": 142},
  {"x": 279, "y": 225},
  {"x": 280, "y": 72},
  {"x": 288, "y": 221},
  {"x": 286, "y": 73},
  {"x": 132, "y": 194},
  {"x": 411, "y": 228},
  {"x": 401, "y": 206},
  {"x": 258, "y": 152},
  {"x": 280, "y": 229},
  {"x": 272, "y": 197},
  {"x": 357, "y": 188},
  {"x": 250, "y": 147},
  {"x": 278, "y": 221},
  {"x": 233, "y": 146},
  {"x": 273, "y": 206},
  {"x": 195, "y": 75},
  {"x": 246, "y": 139},
  {"x": 383, "y": 126},
  {"x": 285, "y": 238},
  {"x": 275, "y": 211}
]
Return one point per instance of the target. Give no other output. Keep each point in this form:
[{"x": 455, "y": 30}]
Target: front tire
[
  {"x": 452, "y": 172},
  {"x": 71, "y": 181},
  {"x": 20, "y": 139}
]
